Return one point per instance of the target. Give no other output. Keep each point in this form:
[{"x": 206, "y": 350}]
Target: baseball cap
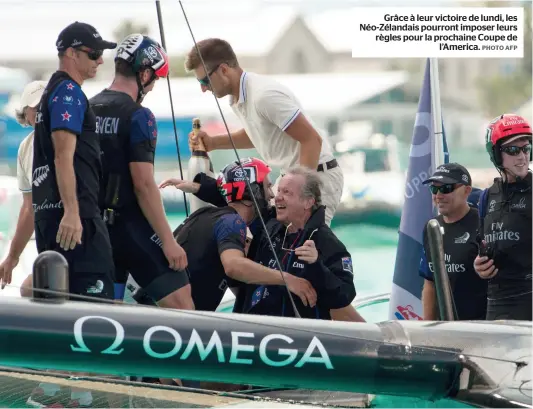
[
  {"x": 32, "y": 94},
  {"x": 450, "y": 173},
  {"x": 78, "y": 34}
]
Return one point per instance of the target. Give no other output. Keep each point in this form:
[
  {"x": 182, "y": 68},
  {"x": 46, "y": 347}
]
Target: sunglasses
[
  {"x": 205, "y": 81},
  {"x": 515, "y": 150},
  {"x": 285, "y": 238},
  {"x": 92, "y": 54},
  {"x": 444, "y": 189}
]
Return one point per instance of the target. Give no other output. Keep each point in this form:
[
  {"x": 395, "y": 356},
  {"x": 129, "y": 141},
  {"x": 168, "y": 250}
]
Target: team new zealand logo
[{"x": 40, "y": 174}]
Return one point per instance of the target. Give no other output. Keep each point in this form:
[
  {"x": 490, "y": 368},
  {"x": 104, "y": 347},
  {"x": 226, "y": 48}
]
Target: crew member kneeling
[
  {"x": 215, "y": 240},
  {"x": 300, "y": 205}
]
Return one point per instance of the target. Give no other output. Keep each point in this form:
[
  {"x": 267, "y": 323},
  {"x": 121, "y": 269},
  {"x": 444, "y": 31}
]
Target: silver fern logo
[
  {"x": 97, "y": 288},
  {"x": 463, "y": 239},
  {"x": 40, "y": 174}
]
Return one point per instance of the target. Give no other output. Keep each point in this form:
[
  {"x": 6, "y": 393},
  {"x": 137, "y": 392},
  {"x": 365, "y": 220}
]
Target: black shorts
[
  {"x": 91, "y": 270},
  {"x": 137, "y": 251}
]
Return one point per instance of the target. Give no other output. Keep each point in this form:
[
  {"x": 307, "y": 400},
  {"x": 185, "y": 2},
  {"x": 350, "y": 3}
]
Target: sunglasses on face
[
  {"x": 515, "y": 150},
  {"x": 92, "y": 54},
  {"x": 444, "y": 189},
  {"x": 205, "y": 81}
]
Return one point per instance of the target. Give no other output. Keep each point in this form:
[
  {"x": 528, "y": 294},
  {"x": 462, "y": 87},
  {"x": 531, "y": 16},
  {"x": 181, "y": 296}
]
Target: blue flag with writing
[{"x": 405, "y": 302}]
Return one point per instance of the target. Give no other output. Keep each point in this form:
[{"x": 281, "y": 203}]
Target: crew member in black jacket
[
  {"x": 142, "y": 240},
  {"x": 505, "y": 221},
  {"x": 305, "y": 246},
  {"x": 451, "y": 187},
  {"x": 67, "y": 166}
]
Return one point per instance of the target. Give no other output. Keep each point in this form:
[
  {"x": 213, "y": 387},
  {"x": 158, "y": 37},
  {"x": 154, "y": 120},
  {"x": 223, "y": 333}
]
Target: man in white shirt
[
  {"x": 274, "y": 122},
  {"x": 26, "y": 117}
]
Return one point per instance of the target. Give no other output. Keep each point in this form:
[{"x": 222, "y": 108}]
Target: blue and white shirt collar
[{"x": 242, "y": 89}]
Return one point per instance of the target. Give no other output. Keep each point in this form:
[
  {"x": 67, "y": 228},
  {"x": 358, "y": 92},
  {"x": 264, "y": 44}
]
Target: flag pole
[{"x": 436, "y": 111}]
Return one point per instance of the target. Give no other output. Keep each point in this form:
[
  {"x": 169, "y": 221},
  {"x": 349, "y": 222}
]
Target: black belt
[{"x": 327, "y": 166}]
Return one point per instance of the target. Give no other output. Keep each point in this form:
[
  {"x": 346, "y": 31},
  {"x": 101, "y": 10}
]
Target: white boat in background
[
  {"x": 373, "y": 190},
  {"x": 373, "y": 181}
]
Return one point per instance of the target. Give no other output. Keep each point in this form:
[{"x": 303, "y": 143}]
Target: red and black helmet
[
  {"x": 500, "y": 130},
  {"x": 231, "y": 181}
]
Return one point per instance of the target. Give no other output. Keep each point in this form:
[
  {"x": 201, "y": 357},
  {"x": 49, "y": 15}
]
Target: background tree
[
  {"x": 508, "y": 91},
  {"x": 127, "y": 27},
  {"x": 177, "y": 67}
]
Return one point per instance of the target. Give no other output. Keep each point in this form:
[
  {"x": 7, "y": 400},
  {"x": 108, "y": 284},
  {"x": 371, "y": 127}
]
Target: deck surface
[{"x": 16, "y": 386}]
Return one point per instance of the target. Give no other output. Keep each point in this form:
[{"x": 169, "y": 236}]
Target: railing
[
  {"x": 447, "y": 311},
  {"x": 372, "y": 300},
  {"x": 368, "y": 301}
]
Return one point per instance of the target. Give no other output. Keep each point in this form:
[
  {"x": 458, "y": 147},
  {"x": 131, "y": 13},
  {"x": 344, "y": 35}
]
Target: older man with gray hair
[{"x": 305, "y": 246}]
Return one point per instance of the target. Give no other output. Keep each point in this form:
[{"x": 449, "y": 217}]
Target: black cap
[
  {"x": 78, "y": 34},
  {"x": 450, "y": 173}
]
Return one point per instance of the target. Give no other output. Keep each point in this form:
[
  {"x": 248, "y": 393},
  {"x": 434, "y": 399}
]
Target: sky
[
  {"x": 36, "y": 24},
  {"x": 248, "y": 24}
]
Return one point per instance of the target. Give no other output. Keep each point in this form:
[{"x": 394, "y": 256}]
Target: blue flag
[{"x": 405, "y": 302}]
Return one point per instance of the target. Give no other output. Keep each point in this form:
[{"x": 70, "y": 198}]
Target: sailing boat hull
[{"x": 423, "y": 359}]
